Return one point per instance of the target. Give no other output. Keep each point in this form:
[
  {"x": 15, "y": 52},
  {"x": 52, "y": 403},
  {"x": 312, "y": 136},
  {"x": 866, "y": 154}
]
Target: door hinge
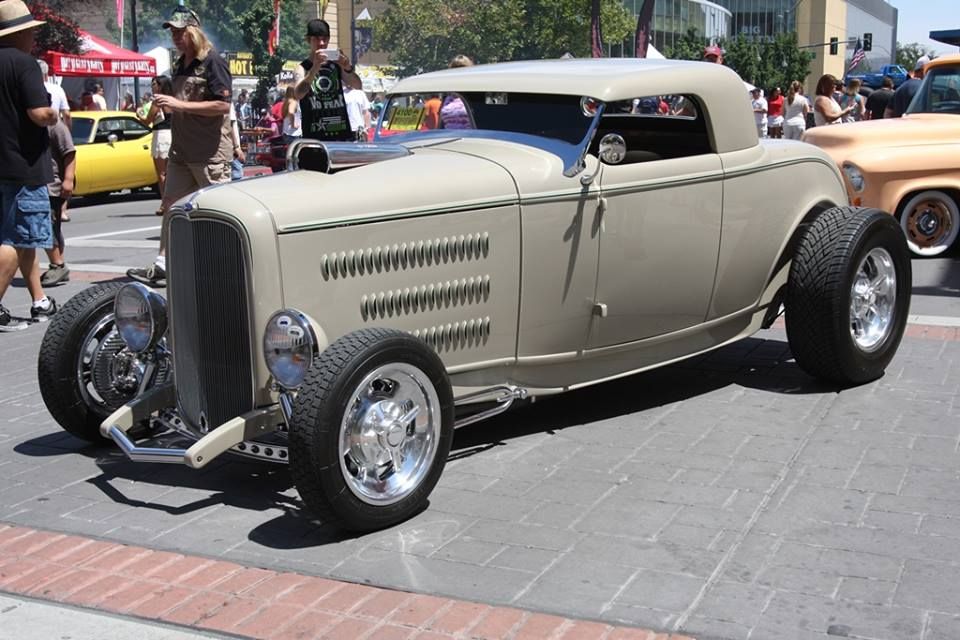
[{"x": 600, "y": 309}]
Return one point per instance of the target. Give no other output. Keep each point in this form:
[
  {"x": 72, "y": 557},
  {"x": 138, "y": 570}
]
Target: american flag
[{"x": 858, "y": 54}]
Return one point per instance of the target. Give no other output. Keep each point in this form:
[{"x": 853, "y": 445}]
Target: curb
[{"x": 226, "y": 597}]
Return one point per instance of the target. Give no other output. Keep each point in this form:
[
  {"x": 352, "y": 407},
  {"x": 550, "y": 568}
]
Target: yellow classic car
[{"x": 113, "y": 152}]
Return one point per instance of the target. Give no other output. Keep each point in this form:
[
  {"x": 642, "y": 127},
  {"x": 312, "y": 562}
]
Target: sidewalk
[{"x": 228, "y": 598}]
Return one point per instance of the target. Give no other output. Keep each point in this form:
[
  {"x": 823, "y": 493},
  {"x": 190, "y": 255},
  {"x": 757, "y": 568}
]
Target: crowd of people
[{"x": 779, "y": 116}]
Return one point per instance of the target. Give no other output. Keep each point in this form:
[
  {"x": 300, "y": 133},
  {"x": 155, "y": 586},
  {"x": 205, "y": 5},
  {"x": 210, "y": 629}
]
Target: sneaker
[
  {"x": 8, "y": 323},
  {"x": 38, "y": 314},
  {"x": 152, "y": 276},
  {"x": 56, "y": 274}
]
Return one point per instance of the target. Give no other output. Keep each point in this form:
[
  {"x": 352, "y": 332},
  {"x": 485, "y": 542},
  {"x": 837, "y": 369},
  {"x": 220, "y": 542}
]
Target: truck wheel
[
  {"x": 84, "y": 369},
  {"x": 848, "y": 295},
  {"x": 371, "y": 429},
  {"x": 931, "y": 221}
]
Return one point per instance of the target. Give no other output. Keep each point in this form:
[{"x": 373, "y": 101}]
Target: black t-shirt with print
[
  {"x": 24, "y": 147},
  {"x": 323, "y": 109}
]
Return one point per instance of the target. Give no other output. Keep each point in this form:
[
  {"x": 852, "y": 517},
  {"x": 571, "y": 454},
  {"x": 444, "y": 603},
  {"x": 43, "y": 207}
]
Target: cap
[
  {"x": 15, "y": 16},
  {"x": 318, "y": 28},
  {"x": 712, "y": 50},
  {"x": 922, "y": 61},
  {"x": 181, "y": 18}
]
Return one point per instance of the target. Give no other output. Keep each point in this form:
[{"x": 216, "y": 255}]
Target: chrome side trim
[{"x": 504, "y": 395}]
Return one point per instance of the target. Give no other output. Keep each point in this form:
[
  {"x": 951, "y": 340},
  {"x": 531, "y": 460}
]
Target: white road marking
[
  {"x": 937, "y": 321},
  {"x": 113, "y": 233},
  {"x": 114, "y": 244},
  {"x": 97, "y": 268}
]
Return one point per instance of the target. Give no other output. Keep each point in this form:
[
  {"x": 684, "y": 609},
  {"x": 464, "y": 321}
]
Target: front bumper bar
[{"x": 231, "y": 433}]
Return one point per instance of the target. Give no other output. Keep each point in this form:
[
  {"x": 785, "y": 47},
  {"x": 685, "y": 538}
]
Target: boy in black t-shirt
[
  {"x": 319, "y": 82},
  {"x": 25, "y": 168}
]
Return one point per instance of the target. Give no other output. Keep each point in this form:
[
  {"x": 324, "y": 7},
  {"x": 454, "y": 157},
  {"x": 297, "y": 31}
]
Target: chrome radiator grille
[{"x": 207, "y": 281}]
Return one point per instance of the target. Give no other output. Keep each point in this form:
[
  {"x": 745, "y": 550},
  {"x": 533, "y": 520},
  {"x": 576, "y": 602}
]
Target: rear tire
[
  {"x": 371, "y": 429},
  {"x": 848, "y": 295}
]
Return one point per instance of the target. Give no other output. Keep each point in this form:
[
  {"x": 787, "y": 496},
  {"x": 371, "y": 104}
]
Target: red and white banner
[
  {"x": 120, "y": 15},
  {"x": 101, "y": 59}
]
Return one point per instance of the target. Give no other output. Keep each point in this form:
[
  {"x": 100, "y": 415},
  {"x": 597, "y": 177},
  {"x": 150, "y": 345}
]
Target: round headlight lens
[
  {"x": 141, "y": 316},
  {"x": 289, "y": 346},
  {"x": 855, "y": 176}
]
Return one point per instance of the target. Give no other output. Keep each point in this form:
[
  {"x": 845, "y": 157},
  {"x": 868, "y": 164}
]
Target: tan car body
[
  {"x": 898, "y": 157},
  {"x": 516, "y": 273}
]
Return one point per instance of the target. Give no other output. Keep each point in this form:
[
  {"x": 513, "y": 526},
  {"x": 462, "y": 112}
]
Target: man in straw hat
[
  {"x": 25, "y": 167},
  {"x": 201, "y": 143}
]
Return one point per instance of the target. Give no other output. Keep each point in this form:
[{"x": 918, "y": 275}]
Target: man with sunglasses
[{"x": 201, "y": 146}]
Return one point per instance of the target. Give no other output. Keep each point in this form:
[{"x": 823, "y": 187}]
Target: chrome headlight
[
  {"x": 141, "y": 316},
  {"x": 289, "y": 347},
  {"x": 855, "y": 176}
]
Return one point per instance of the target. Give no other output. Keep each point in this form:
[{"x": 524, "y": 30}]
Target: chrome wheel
[
  {"x": 931, "y": 222},
  {"x": 389, "y": 433},
  {"x": 873, "y": 298}
]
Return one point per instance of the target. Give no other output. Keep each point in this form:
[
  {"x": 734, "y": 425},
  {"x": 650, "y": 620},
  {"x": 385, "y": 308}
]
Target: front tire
[
  {"x": 371, "y": 429},
  {"x": 84, "y": 368},
  {"x": 848, "y": 295},
  {"x": 931, "y": 222}
]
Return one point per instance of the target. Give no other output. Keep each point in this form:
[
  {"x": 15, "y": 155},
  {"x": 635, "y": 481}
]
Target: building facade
[{"x": 814, "y": 21}]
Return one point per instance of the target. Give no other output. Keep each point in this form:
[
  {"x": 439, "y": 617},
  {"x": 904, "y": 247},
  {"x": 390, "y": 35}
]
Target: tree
[
  {"x": 255, "y": 25},
  {"x": 689, "y": 46},
  {"x": 60, "y": 33},
  {"x": 764, "y": 63},
  {"x": 423, "y": 35},
  {"x": 908, "y": 54}
]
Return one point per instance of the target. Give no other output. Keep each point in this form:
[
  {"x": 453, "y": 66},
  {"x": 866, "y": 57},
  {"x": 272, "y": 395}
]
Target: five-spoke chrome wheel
[
  {"x": 873, "y": 298},
  {"x": 389, "y": 433}
]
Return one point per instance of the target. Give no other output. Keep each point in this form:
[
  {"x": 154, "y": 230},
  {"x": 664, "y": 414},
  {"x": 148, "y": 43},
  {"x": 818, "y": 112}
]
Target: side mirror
[
  {"x": 112, "y": 139},
  {"x": 613, "y": 148}
]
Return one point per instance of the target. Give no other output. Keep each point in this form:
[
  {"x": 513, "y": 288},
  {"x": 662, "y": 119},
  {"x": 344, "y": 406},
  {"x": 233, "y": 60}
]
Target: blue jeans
[
  {"x": 25, "y": 216},
  {"x": 236, "y": 169}
]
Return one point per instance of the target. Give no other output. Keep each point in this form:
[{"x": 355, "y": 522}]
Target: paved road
[{"x": 726, "y": 497}]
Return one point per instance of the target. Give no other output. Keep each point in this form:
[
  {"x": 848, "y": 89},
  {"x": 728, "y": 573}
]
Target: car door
[
  {"x": 660, "y": 231},
  {"x": 124, "y": 154}
]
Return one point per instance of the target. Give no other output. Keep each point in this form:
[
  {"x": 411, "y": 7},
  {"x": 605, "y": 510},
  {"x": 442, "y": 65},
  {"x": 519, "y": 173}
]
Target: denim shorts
[{"x": 25, "y": 221}]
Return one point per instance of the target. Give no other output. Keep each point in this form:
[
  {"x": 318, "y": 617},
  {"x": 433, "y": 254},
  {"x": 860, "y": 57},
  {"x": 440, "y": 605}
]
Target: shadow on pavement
[
  {"x": 763, "y": 364},
  {"x": 753, "y": 363}
]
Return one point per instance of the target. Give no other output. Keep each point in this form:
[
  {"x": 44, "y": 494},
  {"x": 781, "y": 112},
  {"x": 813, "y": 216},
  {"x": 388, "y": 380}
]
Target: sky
[{"x": 919, "y": 17}]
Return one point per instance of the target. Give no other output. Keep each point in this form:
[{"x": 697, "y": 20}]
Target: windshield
[
  {"x": 939, "y": 93},
  {"x": 81, "y": 128},
  {"x": 556, "y": 117}
]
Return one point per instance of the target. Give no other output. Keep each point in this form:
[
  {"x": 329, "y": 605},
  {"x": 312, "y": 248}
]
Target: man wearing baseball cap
[
  {"x": 318, "y": 85},
  {"x": 713, "y": 53},
  {"x": 201, "y": 136},
  {"x": 25, "y": 167}
]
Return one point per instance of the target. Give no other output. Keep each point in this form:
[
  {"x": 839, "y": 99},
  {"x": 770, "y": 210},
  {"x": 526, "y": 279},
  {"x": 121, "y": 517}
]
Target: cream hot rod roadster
[{"x": 346, "y": 315}]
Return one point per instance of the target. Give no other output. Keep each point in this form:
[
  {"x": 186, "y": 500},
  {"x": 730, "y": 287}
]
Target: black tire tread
[
  {"x": 321, "y": 379},
  {"x": 56, "y": 362},
  {"x": 815, "y": 317}
]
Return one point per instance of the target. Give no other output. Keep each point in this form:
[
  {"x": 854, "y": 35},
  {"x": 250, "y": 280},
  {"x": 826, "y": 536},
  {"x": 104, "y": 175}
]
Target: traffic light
[
  {"x": 867, "y": 41},
  {"x": 834, "y": 46}
]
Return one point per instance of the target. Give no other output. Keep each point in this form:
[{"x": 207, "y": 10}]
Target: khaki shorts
[{"x": 183, "y": 179}]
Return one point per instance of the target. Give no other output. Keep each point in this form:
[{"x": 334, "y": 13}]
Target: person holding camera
[{"x": 319, "y": 86}]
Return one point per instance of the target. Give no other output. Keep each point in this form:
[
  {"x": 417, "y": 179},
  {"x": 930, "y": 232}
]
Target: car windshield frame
[
  {"x": 571, "y": 153},
  {"x": 923, "y": 101}
]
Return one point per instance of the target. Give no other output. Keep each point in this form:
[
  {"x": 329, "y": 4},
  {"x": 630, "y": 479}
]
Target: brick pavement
[
  {"x": 730, "y": 496},
  {"x": 225, "y": 597}
]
